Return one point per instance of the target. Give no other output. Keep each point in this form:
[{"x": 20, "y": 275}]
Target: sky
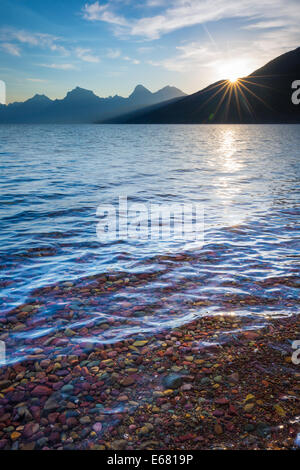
[{"x": 50, "y": 47}]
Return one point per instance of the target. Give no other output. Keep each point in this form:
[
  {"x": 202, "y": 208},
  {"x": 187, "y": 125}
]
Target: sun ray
[
  {"x": 228, "y": 102},
  {"x": 246, "y": 100},
  {"x": 222, "y": 99},
  {"x": 233, "y": 93},
  {"x": 257, "y": 97},
  {"x": 237, "y": 101},
  {"x": 212, "y": 87},
  {"x": 214, "y": 95},
  {"x": 257, "y": 84}
]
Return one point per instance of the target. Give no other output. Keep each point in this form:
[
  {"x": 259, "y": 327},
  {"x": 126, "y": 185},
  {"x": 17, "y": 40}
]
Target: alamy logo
[
  {"x": 2, "y": 353},
  {"x": 150, "y": 221},
  {"x": 296, "y": 94},
  {"x": 2, "y": 92},
  {"x": 296, "y": 354}
]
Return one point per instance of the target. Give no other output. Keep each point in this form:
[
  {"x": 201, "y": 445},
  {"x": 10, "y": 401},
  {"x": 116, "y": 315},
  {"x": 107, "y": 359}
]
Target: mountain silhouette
[
  {"x": 82, "y": 106},
  {"x": 80, "y": 95},
  {"x": 140, "y": 95},
  {"x": 38, "y": 100},
  {"x": 265, "y": 96}
]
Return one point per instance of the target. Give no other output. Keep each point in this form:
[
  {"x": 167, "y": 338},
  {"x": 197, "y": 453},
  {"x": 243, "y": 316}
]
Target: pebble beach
[{"x": 177, "y": 390}]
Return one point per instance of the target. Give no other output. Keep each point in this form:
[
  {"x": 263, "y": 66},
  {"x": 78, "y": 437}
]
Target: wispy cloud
[
  {"x": 41, "y": 40},
  {"x": 117, "y": 54},
  {"x": 145, "y": 50},
  {"x": 44, "y": 41},
  {"x": 86, "y": 55},
  {"x": 203, "y": 58},
  {"x": 11, "y": 49},
  {"x": 184, "y": 13},
  {"x": 113, "y": 53},
  {"x": 36, "y": 80},
  {"x": 188, "y": 57},
  {"x": 273, "y": 24},
  {"x": 266, "y": 25},
  {"x": 59, "y": 66},
  {"x": 188, "y": 13},
  {"x": 133, "y": 61},
  {"x": 97, "y": 12}
]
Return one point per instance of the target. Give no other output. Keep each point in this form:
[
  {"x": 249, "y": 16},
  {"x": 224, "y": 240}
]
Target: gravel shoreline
[{"x": 183, "y": 389}]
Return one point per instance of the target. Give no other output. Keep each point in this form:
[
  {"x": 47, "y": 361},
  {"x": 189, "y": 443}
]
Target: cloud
[
  {"x": 36, "y": 80},
  {"x": 97, "y": 12},
  {"x": 94, "y": 11},
  {"x": 61, "y": 49},
  {"x": 205, "y": 59},
  {"x": 188, "y": 13},
  {"x": 116, "y": 54},
  {"x": 44, "y": 41},
  {"x": 41, "y": 40},
  {"x": 272, "y": 25},
  {"x": 133, "y": 61},
  {"x": 156, "y": 3},
  {"x": 113, "y": 53},
  {"x": 11, "y": 49},
  {"x": 189, "y": 57},
  {"x": 145, "y": 50},
  {"x": 24, "y": 37},
  {"x": 59, "y": 66},
  {"x": 86, "y": 56},
  {"x": 266, "y": 24},
  {"x": 184, "y": 13}
]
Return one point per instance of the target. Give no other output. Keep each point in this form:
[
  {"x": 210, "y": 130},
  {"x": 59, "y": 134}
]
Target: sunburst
[{"x": 229, "y": 91}]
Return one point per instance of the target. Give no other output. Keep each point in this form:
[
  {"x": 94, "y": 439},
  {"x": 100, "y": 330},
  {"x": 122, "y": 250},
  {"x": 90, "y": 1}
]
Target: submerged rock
[{"x": 173, "y": 381}]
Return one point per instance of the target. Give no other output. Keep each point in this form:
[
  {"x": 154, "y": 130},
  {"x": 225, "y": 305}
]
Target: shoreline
[{"x": 175, "y": 390}]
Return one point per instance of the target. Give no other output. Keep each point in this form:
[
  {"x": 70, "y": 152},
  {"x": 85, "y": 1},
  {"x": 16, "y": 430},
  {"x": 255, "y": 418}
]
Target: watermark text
[
  {"x": 2, "y": 353},
  {"x": 296, "y": 94},
  {"x": 139, "y": 221},
  {"x": 2, "y": 92},
  {"x": 296, "y": 353}
]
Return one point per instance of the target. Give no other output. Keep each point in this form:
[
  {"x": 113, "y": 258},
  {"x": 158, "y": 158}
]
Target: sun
[
  {"x": 233, "y": 70},
  {"x": 233, "y": 79}
]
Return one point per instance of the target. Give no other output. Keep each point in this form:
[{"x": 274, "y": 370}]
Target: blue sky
[{"x": 111, "y": 46}]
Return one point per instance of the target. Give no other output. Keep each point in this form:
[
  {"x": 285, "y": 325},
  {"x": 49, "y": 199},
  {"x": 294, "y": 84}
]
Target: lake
[{"x": 58, "y": 279}]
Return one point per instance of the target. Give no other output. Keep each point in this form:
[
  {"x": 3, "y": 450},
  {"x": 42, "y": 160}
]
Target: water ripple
[{"x": 61, "y": 289}]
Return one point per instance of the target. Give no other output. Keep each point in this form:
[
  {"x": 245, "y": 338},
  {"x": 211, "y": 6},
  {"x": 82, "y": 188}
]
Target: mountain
[
  {"x": 80, "y": 95},
  {"x": 144, "y": 97},
  {"x": 141, "y": 96},
  {"x": 168, "y": 93},
  {"x": 265, "y": 96},
  {"x": 39, "y": 100},
  {"x": 83, "y": 106}
]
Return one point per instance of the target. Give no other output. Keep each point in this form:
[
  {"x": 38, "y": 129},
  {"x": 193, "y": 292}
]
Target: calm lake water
[{"x": 56, "y": 275}]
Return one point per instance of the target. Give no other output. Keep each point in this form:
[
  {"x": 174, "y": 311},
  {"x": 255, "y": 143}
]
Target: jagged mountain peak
[
  {"x": 39, "y": 99},
  {"x": 168, "y": 87},
  {"x": 81, "y": 106},
  {"x": 169, "y": 92},
  {"x": 140, "y": 91},
  {"x": 80, "y": 93}
]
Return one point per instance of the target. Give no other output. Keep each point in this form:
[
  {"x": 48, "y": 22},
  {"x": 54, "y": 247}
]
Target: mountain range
[
  {"x": 265, "y": 96},
  {"x": 83, "y": 106}
]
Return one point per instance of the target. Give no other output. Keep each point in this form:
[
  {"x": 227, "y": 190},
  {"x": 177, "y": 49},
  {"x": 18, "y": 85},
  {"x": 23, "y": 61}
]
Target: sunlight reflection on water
[{"x": 54, "y": 178}]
